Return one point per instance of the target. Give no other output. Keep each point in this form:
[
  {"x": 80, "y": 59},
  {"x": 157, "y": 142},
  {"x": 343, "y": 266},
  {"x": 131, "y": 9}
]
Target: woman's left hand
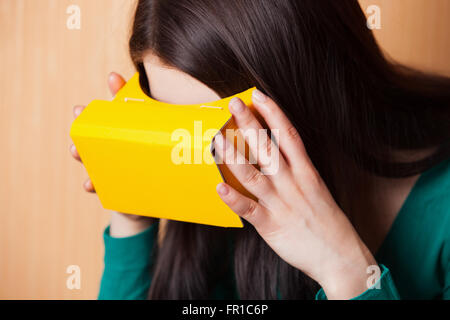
[{"x": 295, "y": 212}]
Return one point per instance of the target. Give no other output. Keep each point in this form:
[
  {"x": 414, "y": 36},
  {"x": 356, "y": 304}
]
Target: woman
[{"x": 360, "y": 205}]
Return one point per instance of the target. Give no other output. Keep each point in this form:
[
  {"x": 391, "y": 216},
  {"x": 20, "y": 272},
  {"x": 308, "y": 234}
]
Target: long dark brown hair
[{"x": 354, "y": 109}]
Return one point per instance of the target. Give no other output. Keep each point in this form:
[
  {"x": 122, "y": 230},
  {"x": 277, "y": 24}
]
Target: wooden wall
[{"x": 47, "y": 221}]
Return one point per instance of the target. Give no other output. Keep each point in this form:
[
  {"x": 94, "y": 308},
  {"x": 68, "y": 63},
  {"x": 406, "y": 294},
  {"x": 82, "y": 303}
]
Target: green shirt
[{"x": 414, "y": 258}]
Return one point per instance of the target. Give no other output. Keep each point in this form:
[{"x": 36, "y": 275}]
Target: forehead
[{"x": 171, "y": 85}]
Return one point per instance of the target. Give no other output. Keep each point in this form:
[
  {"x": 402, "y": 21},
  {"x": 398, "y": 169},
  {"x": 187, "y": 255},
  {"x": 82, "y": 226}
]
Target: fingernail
[
  {"x": 72, "y": 148},
  {"x": 219, "y": 141},
  {"x": 236, "y": 105},
  {"x": 222, "y": 189},
  {"x": 77, "y": 111},
  {"x": 259, "y": 96},
  {"x": 87, "y": 184}
]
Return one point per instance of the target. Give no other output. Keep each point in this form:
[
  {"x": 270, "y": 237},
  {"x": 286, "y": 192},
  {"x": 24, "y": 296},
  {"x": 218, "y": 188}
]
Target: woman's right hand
[{"x": 121, "y": 225}]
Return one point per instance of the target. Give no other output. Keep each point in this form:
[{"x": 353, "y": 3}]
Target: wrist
[
  {"x": 348, "y": 277},
  {"x": 124, "y": 225}
]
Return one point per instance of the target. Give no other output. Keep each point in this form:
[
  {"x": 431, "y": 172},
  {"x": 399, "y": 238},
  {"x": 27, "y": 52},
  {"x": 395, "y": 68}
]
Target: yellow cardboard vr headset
[{"x": 151, "y": 158}]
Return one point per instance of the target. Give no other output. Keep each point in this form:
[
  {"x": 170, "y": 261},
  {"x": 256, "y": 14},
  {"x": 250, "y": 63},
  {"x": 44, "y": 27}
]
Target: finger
[
  {"x": 267, "y": 154},
  {"x": 74, "y": 152},
  {"x": 88, "y": 186},
  {"x": 245, "y": 207},
  {"x": 288, "y": 140},
  {"x": 77, "y": 110},
  {"x": 115, "y": 82},
  {"x": 251, "y": 178}
]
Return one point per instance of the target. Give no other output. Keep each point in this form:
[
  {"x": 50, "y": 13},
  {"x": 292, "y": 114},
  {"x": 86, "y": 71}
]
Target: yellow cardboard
[{"x": 128, "y": 146}]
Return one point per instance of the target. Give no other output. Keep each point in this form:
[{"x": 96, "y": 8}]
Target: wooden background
[{"x": 47, "y": 221}]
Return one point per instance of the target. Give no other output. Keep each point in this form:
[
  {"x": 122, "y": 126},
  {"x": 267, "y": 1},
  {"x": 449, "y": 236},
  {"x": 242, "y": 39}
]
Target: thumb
[{"x": 115, "y": 82}]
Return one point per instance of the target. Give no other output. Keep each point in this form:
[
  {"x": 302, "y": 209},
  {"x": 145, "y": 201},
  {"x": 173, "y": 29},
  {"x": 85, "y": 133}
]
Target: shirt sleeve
[
  {"x": 446, "y": 271},
  {"x": 446, "y": 292},
  {"x": 127, "y": 272},
  {"x": 383, "y": 289}
]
